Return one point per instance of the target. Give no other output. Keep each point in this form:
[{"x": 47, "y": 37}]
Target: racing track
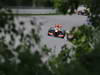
[
  {"x": 52, "y": 42},
  {"x": 67, "y": 21}
]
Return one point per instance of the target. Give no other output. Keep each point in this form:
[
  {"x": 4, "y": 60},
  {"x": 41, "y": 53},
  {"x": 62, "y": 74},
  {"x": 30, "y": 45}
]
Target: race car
[{"x": 56, "y": 32}]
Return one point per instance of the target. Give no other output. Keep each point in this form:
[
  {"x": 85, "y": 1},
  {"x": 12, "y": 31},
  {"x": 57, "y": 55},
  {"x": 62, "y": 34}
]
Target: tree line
[{"x": 34, "y": 3}]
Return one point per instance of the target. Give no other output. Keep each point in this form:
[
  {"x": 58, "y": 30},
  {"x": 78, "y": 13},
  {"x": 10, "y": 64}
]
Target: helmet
[{"x": 58, "y": 25}]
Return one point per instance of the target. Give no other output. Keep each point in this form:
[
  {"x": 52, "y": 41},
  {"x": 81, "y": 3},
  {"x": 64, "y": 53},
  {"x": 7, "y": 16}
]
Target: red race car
[{"x": 56, "y": 31}]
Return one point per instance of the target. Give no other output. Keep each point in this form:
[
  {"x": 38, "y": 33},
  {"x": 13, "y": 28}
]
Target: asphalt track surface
[{"x": 68, "y": 21}]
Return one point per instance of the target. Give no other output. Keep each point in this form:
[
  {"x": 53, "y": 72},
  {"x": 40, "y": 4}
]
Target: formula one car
[{"x": 53, "y": 31}]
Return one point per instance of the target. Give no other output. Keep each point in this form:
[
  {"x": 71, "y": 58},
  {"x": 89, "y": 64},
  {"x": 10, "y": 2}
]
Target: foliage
[
  {"x": 95, "y": 12},
  {"x": 94, "y": 6},
  {"x": 24, "y": 63},
  {"x": 83, "y": 39},
  {"x": 43, "y": 3},
  {"x": 18, "y": 60},
  {"x": 64, "y": 5},
  {"x": 7, "y": 3},
  {"x": 91, "y": 61},
  {"x": 45, "y": 49},
  {"x": 61, "y": 67},
  {"x": 22, "y": 3}
]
